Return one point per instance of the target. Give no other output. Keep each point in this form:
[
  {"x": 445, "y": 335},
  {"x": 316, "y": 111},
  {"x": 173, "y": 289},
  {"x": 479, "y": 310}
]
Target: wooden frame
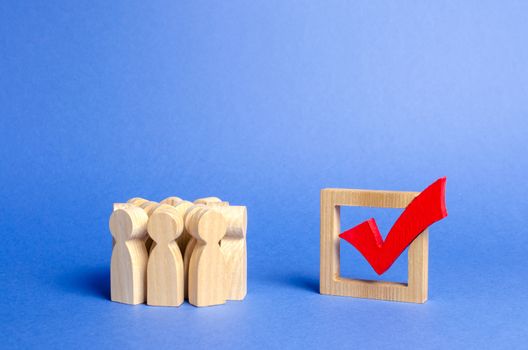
[{"x": 415, "y": 290}]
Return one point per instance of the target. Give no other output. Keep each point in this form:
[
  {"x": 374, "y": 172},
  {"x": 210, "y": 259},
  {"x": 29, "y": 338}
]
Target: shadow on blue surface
[
  {"x": 296, "y": 281},
  {"x": 303, "y": 282},
  {"x": 95, "y": 281},
  {"x": 92, "y": 281}
]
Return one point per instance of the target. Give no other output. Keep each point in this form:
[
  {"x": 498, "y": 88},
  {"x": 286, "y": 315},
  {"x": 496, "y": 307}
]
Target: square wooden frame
[{"x": 415, "y": 290}]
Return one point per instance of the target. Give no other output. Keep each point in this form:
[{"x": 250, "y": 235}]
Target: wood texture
[
  {"x": 114, "y": 208},
  {"x": 149, "y": 207},
  {"x": 214, "y": 260},
  {"x": 120, "y": 206},
  {"x": 165, "y": 279},
  {"x": 171, "y": 200},
  {"x": 211, "y": 201},
  {"x": 129, "y": 256},
  {"x": 234, "y": 248},
  {"x": 189, "y": 248},
  {"x": 207, "y": 279},
  {"x": 184, "y": 238},
  {"x": 415, "y": 290},
  {"x": 137, "y": 201}
]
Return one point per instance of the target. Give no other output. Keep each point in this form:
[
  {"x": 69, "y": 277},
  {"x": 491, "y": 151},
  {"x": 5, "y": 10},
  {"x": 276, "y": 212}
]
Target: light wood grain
[
  {"x": 165, "y": 279},
  {"x": 129, "y": 256},
  {"x": 114, "y": 208},
  {"x": 415, "y": 290},
  {"x": 189, "y": 248},
  {"x": 207, "y": 200},
  {"x": 171, "y": 200},
  {"x": 120, "y": 206},
  {"x": 191, "y": 241},
  {"x": 211, "y": 201},
  {"x": 207, "y": 279},
  {"x": 149, "y": 207},
  {"x": 234, "y": 248},
  {"x": 137, "y": 201},
  {"x": 182, "y": 241}
]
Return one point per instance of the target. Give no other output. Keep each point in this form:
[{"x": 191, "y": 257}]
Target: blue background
[{"x": 263, "y": 103}]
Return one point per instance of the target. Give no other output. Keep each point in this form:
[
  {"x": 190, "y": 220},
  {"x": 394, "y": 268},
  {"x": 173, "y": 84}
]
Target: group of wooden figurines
[{"x": 167, "y": 251}]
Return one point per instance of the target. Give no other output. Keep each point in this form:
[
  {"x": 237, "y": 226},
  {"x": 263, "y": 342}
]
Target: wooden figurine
[
  {"x": 165, "y": 281},
  {"x": 128, "y": 265},
  {"x": 184, "y": 238},
  {"x": 114, "y": 208},
  {"x": 207, "y": 279},
  {"x": 190, "y": 244},
  {"x": 233, "y": 246},
  {"x": 149, "y": 207},
  {"x": 197, "y": 251}
]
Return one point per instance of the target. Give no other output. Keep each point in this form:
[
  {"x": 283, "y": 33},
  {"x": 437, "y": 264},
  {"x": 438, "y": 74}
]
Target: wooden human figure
[
  {"x": 165, "y": 282},
  {"x": 234, "y": 248},
  {"x": 207, "y": 279},
  {"x": 149, "y": 208},
  {"x": 128, "y": 265},
  {"x": 184, "y": 238},
  {"x": 209, "y": 201},
  {"x": 114, "y": 208},
  {"x": 189, "y": 248},
  {"x": 182, "y": 206}
]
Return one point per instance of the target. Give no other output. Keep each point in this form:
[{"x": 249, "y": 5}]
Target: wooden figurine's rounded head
[
  {"x": 149, "y": 207},
  {"x": 165, "y": 224},
  {"x": 128, "y": 223},
  {"x": 137, "y": 201},
  {"x": 189, "y": 215},
  {"x": 121, "y": 206},
  {"x": 208, "y": 225},
  {"x": 182, "y": 207},
  {"x": 207, "y": 200},
  {"x": 171, "y": 200},
  {"x": 218, "y": 204},
  {"x": 236, "y": 218}
]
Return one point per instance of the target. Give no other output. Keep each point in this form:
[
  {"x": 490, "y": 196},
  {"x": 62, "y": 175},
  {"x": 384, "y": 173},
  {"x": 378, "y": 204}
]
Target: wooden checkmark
[{"x": 427, "y": 208}]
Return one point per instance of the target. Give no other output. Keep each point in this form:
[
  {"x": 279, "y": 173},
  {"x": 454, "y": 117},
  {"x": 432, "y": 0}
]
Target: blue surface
[{"x": 263, "y": 103}]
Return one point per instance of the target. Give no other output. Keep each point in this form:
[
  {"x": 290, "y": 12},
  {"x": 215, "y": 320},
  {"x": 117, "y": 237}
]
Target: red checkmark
[{"x": 427, "y": 208}]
